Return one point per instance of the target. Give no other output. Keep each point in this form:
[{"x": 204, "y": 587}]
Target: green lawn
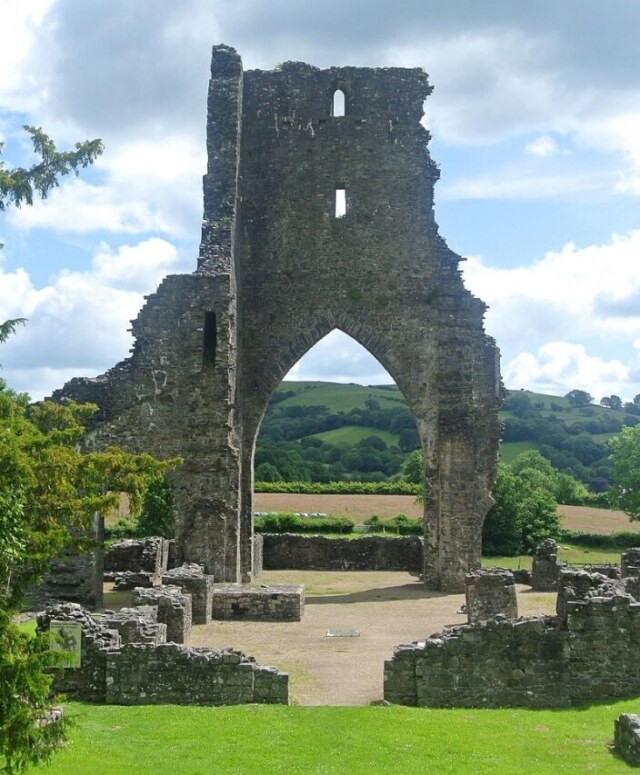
[
  {"x": 575, "y": 555},
  {"x": 352, "y": 434},
  {"x": 252, "y": 740},
  {"x": 509, "y": 450}
]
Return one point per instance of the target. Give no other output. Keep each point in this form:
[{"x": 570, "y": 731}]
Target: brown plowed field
[{"x": 360, "y": 507}]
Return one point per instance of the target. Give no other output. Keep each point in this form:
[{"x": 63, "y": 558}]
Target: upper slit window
[
  {"x": 341, "y": 202},
  {"x": 209, "y": 337},
  {"x": 338, "y": 103}
]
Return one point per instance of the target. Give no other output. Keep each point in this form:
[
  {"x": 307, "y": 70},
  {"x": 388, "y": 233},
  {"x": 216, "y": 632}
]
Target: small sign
[
  {"x": 343, "y": 633},
  {"x": 66, "y": 638}
]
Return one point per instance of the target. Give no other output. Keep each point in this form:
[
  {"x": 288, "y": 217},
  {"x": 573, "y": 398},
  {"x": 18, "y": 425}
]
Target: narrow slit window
[
  {"x": 209, "y": 340},
  {"x": 338, "y": 103},
  {"x": 341, "y": 202}
]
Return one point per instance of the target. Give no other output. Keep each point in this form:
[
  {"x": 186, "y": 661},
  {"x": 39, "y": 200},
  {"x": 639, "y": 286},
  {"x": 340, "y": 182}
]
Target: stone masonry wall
[
  {"x": 148, "y": 555},
  {"x": 74, "y": 577},
  {"x": 283, "y": 551},
  {"x": 490, "y": 592},
  {"x": 590, "y": 653},
  {"x": 169, "y": 673},
  {"x": 210, "y": 348},
  {"x": 265, "y": 603},
  {"x": 151, "y": 673}
]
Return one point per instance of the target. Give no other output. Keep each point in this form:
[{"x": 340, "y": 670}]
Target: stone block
[
  {"x": 626, "y": 738},
  {"x": 490, "y": 593},
  {"x": 278, "y": 603},
  {"x": 137, "y": 625},
  {"x": 174, "y": 609},
  {"x": 192, "y": 580}
]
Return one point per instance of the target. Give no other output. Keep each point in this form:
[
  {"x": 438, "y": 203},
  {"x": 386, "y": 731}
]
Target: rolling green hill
[{"x": 319, "y": 431}]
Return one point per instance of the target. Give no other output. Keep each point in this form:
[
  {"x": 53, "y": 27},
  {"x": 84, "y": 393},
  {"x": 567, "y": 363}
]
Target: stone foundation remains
[
  {"x": 288, "y": 551},
  {"x": 152, "y": 674},
  {"x": 626, "y": 738},
  {"x": 174, "y": 609},
  {"x": 135, "y": 625},
  {"x": 545, "y": 570},
  {"x": 192, "y": 580},
  {"x": 147, "y": 556},
  {"x": 74, "y": 577},
  {"x": 590, "y": 651},
  {"x": 275, "y": 603},
  {"x": 490, "y": 593}
]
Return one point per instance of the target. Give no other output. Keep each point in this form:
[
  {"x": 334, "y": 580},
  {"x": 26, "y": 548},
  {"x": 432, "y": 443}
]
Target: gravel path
[{"x": 386, "y": 608}]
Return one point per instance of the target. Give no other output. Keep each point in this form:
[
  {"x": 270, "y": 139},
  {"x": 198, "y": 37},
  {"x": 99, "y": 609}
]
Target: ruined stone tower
[{"x": 280, "y": 267}]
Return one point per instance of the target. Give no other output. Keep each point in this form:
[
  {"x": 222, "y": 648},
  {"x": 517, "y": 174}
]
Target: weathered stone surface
[
  {"x": 174, "y": 609},
  {"x": 89, "y": 681},
  {"x": 545, "y": 570},
  {"x": 490, "y": 593},
  {"x": 136, "y": 625},
  {"x": 150, "y": 673},
  {"x": 626, "y": 738},
  {"x": 283, "y": 551},
  {"x": 258, "y": 555},
  {"x": 630, "y": 563},
  {"x": 142, "y": 555},
  {"x": 192, "y": 580},
  {"x": 590, "y": 652},
  {"x": 125, "y": 580},
  {"x": 579, "y": 585},
  {"x": 73, "y": 577},
  {"x": 210, "y": 348},
  {"x": 147, "y": 675},
  {"x": 277, "y": 603}
]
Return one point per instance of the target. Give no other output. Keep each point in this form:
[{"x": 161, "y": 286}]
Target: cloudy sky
[{"x": 535, "y": 120}]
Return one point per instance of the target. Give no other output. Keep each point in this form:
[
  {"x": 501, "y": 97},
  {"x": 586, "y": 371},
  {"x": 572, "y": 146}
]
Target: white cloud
[
  {"x": 589, "y": 295},
  {"x": 580, "y": 288},
  {"x": 339, "y": 358},
  {"x": 542, "y": 146},
  {"x": 149, "y": 186},
  {"x": 559, "y": 367},
  {"x": 19, "y": 22},
  {"x": 523, "y": 184},
  {"x": 78, "y": 324}
]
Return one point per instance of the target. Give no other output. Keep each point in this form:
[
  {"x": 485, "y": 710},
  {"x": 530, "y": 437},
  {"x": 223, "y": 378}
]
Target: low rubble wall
[
  {"x": 155, "y": 674},
  {"x": 288, "y": 551},
  {"x": 279, "y": 603},
  {"x": 590, "y": 651}
]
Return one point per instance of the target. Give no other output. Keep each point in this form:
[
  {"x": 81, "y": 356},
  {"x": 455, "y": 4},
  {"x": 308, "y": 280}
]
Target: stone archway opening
[
  {"x": 336, "y": 416},
  {"x": 280, "y": 266}
]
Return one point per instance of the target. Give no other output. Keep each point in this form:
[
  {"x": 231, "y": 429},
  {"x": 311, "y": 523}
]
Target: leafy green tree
[
  {"x": 412, "y": 469},
  {"x": 49, "y": 492},
  {"x": 579, "y": 398},
  {"x": 625, "y": 456},
  {"x": 525, "y": 506},
  {"x": 502, "y": 528},
  {"x": 158, "y": 509},
  {"x": 18, "y": 185},
  {"x": 611, "y": 402}
]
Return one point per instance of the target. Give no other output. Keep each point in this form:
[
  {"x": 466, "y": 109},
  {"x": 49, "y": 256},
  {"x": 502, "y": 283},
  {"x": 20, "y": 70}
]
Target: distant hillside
[{"x": 322, "y": 431}]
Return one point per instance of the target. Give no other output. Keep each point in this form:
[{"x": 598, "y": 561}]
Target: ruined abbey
[{"x": 318, "y": 214}]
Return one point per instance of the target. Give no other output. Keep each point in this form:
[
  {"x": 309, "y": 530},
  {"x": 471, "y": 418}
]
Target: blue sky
[{"x": 535, "y": 121}]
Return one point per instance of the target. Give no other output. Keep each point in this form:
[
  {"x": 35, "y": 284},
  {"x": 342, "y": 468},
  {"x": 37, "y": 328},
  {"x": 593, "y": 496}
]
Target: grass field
[
  {"x": 336, "y": 397},
  {"x": 257, "y": 740},
  {"x": 361, "y": 507},
  {"x": 352, "y": 434}
]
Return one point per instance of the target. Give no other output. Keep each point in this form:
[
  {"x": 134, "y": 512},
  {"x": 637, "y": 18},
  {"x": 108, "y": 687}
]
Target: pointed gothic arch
[{"x": 276, "y": 271}]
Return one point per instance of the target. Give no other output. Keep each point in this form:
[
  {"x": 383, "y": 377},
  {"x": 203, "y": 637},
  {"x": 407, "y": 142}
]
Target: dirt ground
[
  {"x": 361, "y": 507},
  {"x": 385, "y": 608}
]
